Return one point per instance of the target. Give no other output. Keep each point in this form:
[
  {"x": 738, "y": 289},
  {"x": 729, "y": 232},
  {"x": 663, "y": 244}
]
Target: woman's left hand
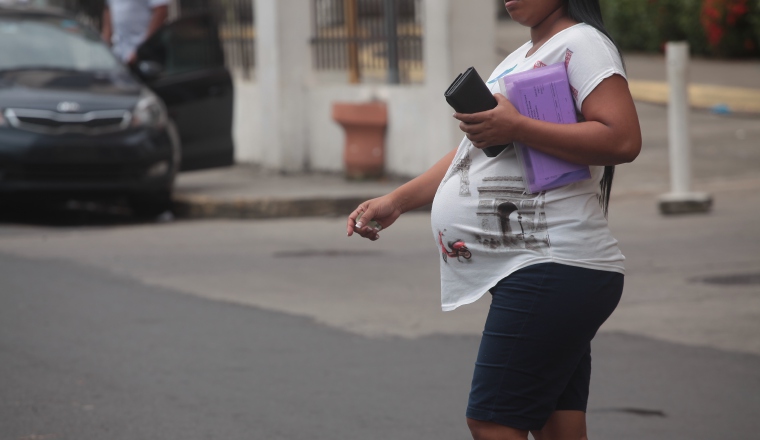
[{"x": 492, "y": 127}]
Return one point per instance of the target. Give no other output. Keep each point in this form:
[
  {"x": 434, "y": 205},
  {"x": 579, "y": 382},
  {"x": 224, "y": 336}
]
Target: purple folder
[{"x": 544, "y": 94}]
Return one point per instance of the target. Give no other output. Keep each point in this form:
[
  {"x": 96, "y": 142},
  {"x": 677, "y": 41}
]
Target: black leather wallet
[{"x": 469, "y": 94}]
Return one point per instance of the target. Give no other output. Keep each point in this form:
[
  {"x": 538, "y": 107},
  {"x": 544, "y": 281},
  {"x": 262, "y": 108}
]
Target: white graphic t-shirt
[{"x": 485, "y": 224}]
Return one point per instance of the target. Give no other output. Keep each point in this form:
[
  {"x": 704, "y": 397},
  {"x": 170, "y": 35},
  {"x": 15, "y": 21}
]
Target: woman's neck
[{"x": 555, "y": 22}]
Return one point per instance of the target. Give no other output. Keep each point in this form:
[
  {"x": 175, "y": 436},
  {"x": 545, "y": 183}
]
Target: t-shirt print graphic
[
  {"x": 461, "y": 167},
  {"x": 510, "y": 218},
  {"x": 455, "y": 248},
  {"x": 568, "y": 57}
]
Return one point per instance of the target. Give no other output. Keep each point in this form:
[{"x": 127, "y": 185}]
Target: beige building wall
[{"x": 283, "y": 119}]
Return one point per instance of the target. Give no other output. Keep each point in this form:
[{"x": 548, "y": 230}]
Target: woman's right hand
[
  {"x": 380, "y": 213},
  {"x": 376, "y": 214}
]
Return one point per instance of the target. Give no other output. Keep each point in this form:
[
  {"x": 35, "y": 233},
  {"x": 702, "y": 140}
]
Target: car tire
[{"x": 151, "y": 205}]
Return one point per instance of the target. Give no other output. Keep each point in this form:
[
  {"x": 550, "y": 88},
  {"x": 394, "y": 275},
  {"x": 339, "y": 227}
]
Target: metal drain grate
[{"x": 742, "y": 279}]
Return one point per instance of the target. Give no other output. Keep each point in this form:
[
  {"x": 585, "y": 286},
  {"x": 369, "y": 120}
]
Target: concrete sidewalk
[
  {"x": 724, "y": 86},
  {"x": 247, "y": 191},
  {"x": 725, "y": 126},
  {"x": 725, "y": 154}
]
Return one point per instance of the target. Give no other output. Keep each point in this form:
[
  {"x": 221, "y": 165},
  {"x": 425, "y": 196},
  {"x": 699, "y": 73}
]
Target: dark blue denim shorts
[{"x": 535, "y": 354}]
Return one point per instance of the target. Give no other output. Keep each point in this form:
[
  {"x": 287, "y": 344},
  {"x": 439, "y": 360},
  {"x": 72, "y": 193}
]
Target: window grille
[{"x": 373, "y": 40}]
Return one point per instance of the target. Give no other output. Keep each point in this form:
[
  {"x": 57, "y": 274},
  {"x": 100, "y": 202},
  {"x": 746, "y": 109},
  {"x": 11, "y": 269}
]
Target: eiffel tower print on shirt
[{"x": 462, "y": 168}]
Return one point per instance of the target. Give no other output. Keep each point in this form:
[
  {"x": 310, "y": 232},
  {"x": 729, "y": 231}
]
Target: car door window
[{"x": 186, "y": 45}]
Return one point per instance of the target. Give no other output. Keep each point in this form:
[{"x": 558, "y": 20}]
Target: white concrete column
[
  {"x": 472, "y": 25},
  {"x": 438, "y": 76},
  {"x": 458, "y": 34},
  {"x": 283, "y": 64}
]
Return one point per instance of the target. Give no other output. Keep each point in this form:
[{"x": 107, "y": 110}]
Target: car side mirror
[{"x": 149, "y": 69}]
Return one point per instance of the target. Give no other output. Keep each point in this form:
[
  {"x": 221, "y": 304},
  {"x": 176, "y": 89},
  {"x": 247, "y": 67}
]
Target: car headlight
[
  {"x": 158, "y": 169},
  {"x": 149, "y": 112}
]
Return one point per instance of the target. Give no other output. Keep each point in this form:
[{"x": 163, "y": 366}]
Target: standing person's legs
[{"x": 534, "y": 363}]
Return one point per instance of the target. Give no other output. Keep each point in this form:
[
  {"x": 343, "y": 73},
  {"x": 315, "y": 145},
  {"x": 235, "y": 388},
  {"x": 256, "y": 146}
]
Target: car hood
[{"x": 89, "y": 91}]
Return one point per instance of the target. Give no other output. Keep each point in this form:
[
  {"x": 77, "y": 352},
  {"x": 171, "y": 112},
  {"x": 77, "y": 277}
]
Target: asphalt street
[
  {"x": 286, "y": 329},
  {"x": 89, "y": 354}
]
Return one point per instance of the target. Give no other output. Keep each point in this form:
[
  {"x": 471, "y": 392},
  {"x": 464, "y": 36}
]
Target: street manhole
[
  {"x": 322, "y": 253},
  {"x": 741, "y": 279}
]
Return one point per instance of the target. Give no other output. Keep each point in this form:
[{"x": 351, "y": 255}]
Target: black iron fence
[{"x": 373, "y": 40}]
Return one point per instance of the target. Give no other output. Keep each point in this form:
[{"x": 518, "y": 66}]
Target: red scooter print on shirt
[{"x": 458, "y": 249}]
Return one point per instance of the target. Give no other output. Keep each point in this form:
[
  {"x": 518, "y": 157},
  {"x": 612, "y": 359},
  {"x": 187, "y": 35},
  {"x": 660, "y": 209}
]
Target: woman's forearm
[
  {"x": 611, "y": 134},
  {"x": 587, "y": 143},
  {"x": 421, "y": 190}
]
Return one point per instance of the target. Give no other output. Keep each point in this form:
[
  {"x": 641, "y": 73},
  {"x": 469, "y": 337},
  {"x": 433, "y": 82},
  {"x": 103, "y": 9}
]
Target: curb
[
  {"x": 187, "y": 206},
  {"x": 719, "y": 99},
  {"x": 202, "y": 207}
]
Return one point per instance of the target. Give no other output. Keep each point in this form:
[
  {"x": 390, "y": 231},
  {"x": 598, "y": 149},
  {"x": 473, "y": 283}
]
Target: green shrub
[
  {"x": 754, "y": 22},
  {"x": 728, "y": 27},
  {"x": 691, "y": 26},
  {"x": 722, "y": 28},
  {"x": 632, "y": 24}
]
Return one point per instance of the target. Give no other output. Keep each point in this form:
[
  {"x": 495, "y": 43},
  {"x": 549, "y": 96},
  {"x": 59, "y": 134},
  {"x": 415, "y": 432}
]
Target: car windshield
[{"x": 51, "y": 43}]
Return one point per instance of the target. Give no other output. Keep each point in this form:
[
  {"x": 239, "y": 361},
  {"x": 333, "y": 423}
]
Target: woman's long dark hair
[{"x": 589, "y": 12}]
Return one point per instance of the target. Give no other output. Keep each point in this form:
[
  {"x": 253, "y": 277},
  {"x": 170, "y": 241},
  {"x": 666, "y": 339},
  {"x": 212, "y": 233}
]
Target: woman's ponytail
[{"x": 590, "y": 12}]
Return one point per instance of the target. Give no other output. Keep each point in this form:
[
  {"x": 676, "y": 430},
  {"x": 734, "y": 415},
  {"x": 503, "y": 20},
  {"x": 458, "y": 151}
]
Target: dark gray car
[{"x": 75, "y": 121}]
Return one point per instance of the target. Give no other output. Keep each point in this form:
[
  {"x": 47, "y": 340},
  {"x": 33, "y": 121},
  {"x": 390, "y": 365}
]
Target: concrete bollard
[{"x": 681, "y": 200}]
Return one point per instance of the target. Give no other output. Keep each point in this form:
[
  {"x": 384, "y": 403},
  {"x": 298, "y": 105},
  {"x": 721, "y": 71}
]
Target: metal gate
[{"x": 374, "y": 40}]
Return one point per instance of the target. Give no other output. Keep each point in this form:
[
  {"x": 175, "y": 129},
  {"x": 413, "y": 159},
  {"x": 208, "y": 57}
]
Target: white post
[
  {"x": 442, "y": 135},
  {"x": 678, "y": 117},
  {"x": 681, "y": 199},
  {"x": 458, "y": 34},
  {"x": 282, "y": 68}
]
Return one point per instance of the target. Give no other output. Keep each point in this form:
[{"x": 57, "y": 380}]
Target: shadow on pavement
[{"x": 74, "y": 213}]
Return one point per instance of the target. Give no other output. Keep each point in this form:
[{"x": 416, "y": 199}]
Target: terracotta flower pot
[{"x": 365, "y": 125}]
